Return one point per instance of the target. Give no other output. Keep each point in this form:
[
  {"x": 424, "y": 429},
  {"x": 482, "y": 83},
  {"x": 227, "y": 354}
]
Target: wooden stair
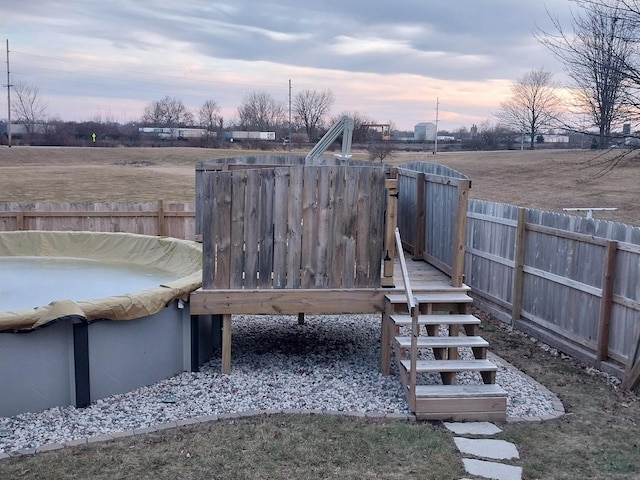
[{"x": 444, "y": 326}]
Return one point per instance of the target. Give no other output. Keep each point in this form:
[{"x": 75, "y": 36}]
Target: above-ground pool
[{"x": 87, "y": 315}]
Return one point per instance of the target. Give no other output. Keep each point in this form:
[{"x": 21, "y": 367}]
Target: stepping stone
[
  {"x": 493, "y": 449},
  {"x": 495, "y": 471},
  {"x": 472, "y": 428}
]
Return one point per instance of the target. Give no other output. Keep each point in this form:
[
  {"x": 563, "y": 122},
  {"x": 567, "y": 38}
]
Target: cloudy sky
[{"x": 389, "y": 60}]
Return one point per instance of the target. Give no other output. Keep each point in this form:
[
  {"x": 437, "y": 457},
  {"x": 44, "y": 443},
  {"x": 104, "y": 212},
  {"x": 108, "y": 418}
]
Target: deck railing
[
  {"x": 432, "y": 206},
  {"x": 414, "y": 310},
  {"x": 303, "y": 226}
]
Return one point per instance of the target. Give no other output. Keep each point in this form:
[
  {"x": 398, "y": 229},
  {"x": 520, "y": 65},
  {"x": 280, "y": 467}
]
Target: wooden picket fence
[
  {"x": 173, "y": 219},
  {"x": 293, "y": 227},
  {"x": 432, "y": 206},
  {"x": 568, "y": 280}
]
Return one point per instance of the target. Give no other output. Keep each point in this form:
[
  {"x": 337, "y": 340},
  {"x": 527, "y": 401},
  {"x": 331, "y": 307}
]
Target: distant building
[
  {"x": 177, "y": 132},
  {"x": 547, "y": 138},
  {"x": 19, "y": 129},
  {"x": 424, "y": 132}
]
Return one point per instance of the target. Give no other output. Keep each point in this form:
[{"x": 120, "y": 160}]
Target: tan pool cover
[{"x": 180, "y": 257}]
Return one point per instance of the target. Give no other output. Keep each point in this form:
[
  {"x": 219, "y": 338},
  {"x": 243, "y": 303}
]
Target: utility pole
[
  {"x": 289, "y": 143},
  {"x": 8, "y": 85},
  {"x": 435, "y": 144}
]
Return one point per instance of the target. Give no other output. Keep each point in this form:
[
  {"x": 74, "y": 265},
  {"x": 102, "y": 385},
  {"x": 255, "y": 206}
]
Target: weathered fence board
[
  {"x": 301, "y": 227},
  {"x": 577, "y": 279},
  {"x": 432, "y": 202},
  {"x": 173, "y": 219}
]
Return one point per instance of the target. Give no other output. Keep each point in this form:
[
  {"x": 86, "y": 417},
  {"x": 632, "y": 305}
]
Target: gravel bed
[{"x": 331, "y": 363}]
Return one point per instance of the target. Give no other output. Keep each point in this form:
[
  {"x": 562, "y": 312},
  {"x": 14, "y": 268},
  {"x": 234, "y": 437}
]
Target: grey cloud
[{"x": 304, "y": 35}]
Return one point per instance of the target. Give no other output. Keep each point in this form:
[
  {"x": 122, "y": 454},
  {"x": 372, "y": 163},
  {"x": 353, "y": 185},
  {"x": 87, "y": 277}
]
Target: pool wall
[
  {"x": 74, "y": 353},
  {"x": 70, "y": 362}
]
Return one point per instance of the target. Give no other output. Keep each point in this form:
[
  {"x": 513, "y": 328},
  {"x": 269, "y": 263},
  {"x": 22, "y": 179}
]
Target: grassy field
[
  {"x": 597, "y": 438},
  {"x": 544, "y": 179}
]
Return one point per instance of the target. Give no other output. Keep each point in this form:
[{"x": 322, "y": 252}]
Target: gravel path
[{"x": 330, "y": 363}]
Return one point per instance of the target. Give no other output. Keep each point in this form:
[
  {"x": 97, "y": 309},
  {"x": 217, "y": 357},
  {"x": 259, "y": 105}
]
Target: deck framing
[{"x": 228, "y": 302}]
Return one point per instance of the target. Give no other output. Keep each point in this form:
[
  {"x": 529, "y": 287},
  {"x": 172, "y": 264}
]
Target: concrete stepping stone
[
  {"x": 492, "y": 470},
  {"x": 493, "y": 449},
  {"x": 472, "y": 428}
]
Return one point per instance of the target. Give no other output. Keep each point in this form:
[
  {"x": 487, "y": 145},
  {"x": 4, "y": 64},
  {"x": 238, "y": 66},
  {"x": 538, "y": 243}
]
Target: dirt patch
[{"x": 137, "y": 163}]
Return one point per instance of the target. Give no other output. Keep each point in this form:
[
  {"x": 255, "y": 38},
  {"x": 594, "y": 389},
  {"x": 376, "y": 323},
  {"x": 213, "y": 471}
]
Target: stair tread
[
  {"x": 436, "y": 366},
  {"x": 432, "y": 297},
  {"x": 417, "y": 288},
  {"x": 438, "y": 342},
  {"x": 436, "y": 319},
  {"x": 457, "y": 390}
]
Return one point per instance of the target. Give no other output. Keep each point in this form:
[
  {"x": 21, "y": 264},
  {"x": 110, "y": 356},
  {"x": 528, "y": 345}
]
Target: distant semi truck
[
  {"x": 177, "y": 132},
  {"x": 239, "y": 135}
]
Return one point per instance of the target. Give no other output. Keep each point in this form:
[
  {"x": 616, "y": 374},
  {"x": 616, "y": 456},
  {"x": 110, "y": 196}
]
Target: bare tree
[
  {"x": 597, "y": 53},
  {"x": 261, "y": 112},
  {"x": 28, "y": 106},
  {"x": 310, "y": 107},
  {"x": 533, "y": 105},
  {"x": 168, "y": 112},
  {"x": 209, "y": 115}
]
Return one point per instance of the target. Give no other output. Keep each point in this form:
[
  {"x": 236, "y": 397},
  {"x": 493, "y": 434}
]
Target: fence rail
[
  {"x": 571, "y": 281},
  {"x": 174, "y": 219}
]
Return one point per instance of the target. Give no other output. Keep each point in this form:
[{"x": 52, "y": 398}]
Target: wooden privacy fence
[
  {"x": 305, "y": 226},
  {"x": 172, "y": 219},
  {"x": 432, "y": 206},
  {"x": 254, "y": 162},
  {"x": 571, "y": 281}
]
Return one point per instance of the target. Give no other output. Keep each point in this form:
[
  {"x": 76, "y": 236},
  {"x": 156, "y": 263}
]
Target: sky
[{"x": 403, "y": 61}]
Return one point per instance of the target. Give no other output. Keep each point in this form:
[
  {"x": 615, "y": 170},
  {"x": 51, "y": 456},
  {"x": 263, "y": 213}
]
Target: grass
[
  {"x": 281, "y": 446},
  {"x": 543, "y": 179},
  {"x": 597, "y": 438}
]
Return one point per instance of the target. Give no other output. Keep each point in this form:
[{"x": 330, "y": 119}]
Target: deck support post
[
  {"x": 226, "y": 343},
  {"x": 385, "y": 343}
]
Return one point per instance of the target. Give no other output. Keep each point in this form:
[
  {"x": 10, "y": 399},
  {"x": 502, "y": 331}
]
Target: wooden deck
[
  {"x": 424, "y": 277},
  {"x": 307, "y": 238},
  {"x": 439, "y": 304},
  {"x": 271, "y": 301}
]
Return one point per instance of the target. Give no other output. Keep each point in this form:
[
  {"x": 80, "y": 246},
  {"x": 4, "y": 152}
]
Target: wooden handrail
[
  {"x": 414, "y": 310},
  {"x": 411, "y": 301}
]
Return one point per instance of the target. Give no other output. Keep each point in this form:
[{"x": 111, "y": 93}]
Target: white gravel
[{"x": 331, "y": 363}]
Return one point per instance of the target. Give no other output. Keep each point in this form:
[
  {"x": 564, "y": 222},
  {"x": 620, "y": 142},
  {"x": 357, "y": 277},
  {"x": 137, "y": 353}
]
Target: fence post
[
  {"x": 161, "y": 217},
  {"x": 418, "y": 249},
  {"x": 391, "y": 185},
  {"x": 606, "y": 301},
  {"x": 518, "y": 268},
  {"x": 459, "y": 234},
  {"x": 20, "y": 220}
]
